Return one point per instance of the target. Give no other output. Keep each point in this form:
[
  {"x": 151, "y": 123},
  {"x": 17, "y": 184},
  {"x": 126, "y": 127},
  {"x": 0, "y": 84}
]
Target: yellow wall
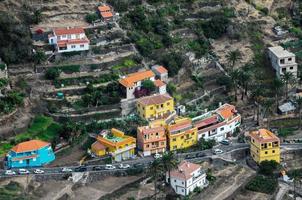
[
  {"x": 98, "y": 152},
  {"x": 182, "y": 140},
  {"x": 260, "y": 153},
  {"x": 155, "y": 110}
]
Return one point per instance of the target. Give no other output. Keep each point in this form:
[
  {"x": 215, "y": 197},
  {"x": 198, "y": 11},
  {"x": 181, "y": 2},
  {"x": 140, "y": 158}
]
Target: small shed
[{"x": 286, "y": 108}]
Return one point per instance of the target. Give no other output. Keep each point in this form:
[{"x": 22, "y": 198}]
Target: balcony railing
[{"x": 123, "y": 149}]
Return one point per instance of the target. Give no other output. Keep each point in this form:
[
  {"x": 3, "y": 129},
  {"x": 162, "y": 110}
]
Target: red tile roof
[
  {"x": 135, "y": 77},
  {"x": 264, "y": 135},
  {"x": 66, "y": 31},
  {"x": 31, "y": 145},
  {"x": 211, "y": 120},
  {"x": 161, "y": 69},
  {"x": 98, "y": 146},
  {"x": 155, "y": 99},
  {"x": 159, "y": 83},
  {"x": 178, "y": 126},
  {"x": 227, "y": 111},
  {"x": 184, "y": 170},
  {"x": 106, "y": 14},
  {"x": 63, "y": 43},
  {"x": 148, "y": 129},
  {"x": 104, "y": 8}
]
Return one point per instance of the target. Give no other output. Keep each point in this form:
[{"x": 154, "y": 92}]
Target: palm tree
[
  {"x": 277, "y": 86},
  {"x": 155, "y": 171},
  {"x": 268, "y": 105},
  {"x": 288, "y": 79},
  {"x": 244, "y": 77},
  {"x": 235, "y": 79},
  {"x": 257, "y": 96},
  {"x": 299, "y": 104},
  {"x": 233, "y": 57},
  {"x": 169, "y": 163}
]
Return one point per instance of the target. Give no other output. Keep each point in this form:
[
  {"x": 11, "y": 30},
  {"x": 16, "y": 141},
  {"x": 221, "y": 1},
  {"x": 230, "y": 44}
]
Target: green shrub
[
  {"x": 90, "y": 18},
  {"x": 268, "y": 167},
  {"x": 52, "y": 73},
  {"x": 262, "y": 184}
]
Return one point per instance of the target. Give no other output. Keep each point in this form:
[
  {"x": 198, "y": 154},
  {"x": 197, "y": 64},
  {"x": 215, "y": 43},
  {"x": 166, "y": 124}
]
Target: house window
[
  {"x": 282, "y": 61},
  {"x": 221, "y": 129},
  {"x": 273, "y": 151},
  {"x": 174, "y": 181},
  {"x": 156, "y": 134},
  {"x": 283, "y": 70},
  {"x": 182, "y": 137},
  {"x": 21, "y": 161},
  {"x": 82, "y": 46},
  {"x": 162, "y": 105},
  {"x": 182, "y": 183},
  {"x": 59, "y": 37},
  {"x": 147, "y": 145},
  {"x": 289, "y": 59},
  {"x": 69, "y": 36},
  {"x": 162, "y": 143},
  {"x": 168, "y": 103},
  {"x": 151, "y": 108},
  {"x": 265, "y": 152},
  {"x": 291, "y": 68},
  {"x": 73, "y": 46},
  {"x": 174, "y": 139}
]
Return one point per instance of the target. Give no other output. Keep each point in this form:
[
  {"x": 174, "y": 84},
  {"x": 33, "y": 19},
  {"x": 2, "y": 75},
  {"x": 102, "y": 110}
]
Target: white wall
[{"x": 75, "y": 47}]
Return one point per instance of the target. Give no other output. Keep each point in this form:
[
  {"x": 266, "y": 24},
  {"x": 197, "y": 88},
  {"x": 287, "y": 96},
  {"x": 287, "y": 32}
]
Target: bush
[
  {"x": 52, "y": 73},
  {"x": 262, "y": 184},
  {"x": 206, "y": 144},
  {"x": 149, "y": 85},
  {"x": 268, "y": 167},
  {"x": 90, "y": 18}
]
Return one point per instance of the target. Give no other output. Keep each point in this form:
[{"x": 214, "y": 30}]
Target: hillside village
[{"x": 150, "y": 99}]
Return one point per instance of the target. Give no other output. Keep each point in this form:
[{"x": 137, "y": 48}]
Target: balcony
[{"x": 119, "y": 151}]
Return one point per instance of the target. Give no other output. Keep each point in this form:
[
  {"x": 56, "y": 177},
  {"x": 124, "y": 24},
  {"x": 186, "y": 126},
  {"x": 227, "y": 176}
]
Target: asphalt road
[{"x": 146, "y": 161}]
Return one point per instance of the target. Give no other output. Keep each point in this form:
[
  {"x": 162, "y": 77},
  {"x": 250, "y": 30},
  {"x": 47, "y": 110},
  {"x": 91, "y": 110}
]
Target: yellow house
[
  {"x": 181, "y": 134},
  {"x": 264, "y": 146},
  {"x": 115, "y": 143},
  {"x": 155, "y": 107}
]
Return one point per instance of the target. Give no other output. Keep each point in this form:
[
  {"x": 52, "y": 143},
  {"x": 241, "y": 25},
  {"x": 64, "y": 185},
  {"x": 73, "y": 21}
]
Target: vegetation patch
[{"x": 262, "y": 184}]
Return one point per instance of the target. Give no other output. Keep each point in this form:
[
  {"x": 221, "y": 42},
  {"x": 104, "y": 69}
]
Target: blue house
[{"x": 33, "y": 153}]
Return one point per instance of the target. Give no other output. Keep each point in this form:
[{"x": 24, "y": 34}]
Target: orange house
[
  {"x": 151, "y": 140},
  {"x": 105, "y": 12}
]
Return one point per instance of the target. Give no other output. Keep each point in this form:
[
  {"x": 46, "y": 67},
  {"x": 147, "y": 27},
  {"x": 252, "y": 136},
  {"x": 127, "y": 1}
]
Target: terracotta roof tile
[
  {"x": 155, "y": 99},
  {"x": 98, "y": 146},
  {"x": 161, "y": 69},
  {"x": 264, "y": 135},
  {"x": 106, "y": 14},
  {"x": 74, "y": 41},
  {"x": 159, "y": 83},
  {"x": 65, "y": 31},
  {"x": 135, "y": 77},
  {"x": 184, "y": 170},
  {"x": 31, "y": 145},
  {"x": 227, "y": 111},
  {"x": 104, "y": 8}
]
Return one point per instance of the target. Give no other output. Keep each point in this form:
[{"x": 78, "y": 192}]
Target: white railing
[{"x": 123, "y": 149}]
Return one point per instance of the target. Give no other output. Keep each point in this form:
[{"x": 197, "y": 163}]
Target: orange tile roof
[
  {"x": 184, "y": 170},
  {"x": 135, "y": 77},
  {"x": 227, "y": 111},
  {"x": 159, "y": 83},
  {"x": 65, "y": 31},
  {"x": 104, "y": 8},
  {"x": 155, "y": 99},
  {"x": 180, "y": 125},
  {"x": 63, "y": 43},
  {"x": 264, "y": 135},
  {"x": 98, "y": 146},
  {"x": 148, "y": 129},
  {"x": 161, "y": 69},
  {"x": 106, "y": 14},
  {"x": 31, "y": 145}
]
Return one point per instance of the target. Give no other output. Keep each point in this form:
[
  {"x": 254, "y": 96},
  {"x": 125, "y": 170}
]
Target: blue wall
[{"x": 43, "y": 156}]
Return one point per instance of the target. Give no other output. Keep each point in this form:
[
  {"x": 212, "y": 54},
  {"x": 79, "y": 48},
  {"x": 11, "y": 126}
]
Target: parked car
[
  {"x": 38, "y": 171},
  {"x": 10, "y": 172},
  {"x": 80, "y": 169},
  {"x": 158, "y": 156},
  {"x": 201, "y": 155},
  {"x": 190, "y": 156},
  {"x": 225, "y": 142},
  {"x": 109, "y": 167},
  {"x": 23, "y": 171},
  {"x": 65, "y": 169},
  {"x": 139, "y": 165},
  {"x": 124, "y": 166},
  {"x": 97, "y": 168},
  {"x": 217, "y": 151}
]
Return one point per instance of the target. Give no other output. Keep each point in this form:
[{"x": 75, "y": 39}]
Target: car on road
[
  {"x": 80, "y": 169},
  {"x": 109, "y": 167},
  {"x": 158, "y": 156},
  {"x": 217, "y": 151},
  {"x": 10, "y": 172},
  {"x": 124, "y": 166},
  {"x": 97, "y": 168},
  {"x": 139, "y": 165},
  {"x": 225, "y": 142},
  {"x": 38, "y": 171},
  {"x": 190, "y": 156},
  {"x": 201, "y": 155},
  {"x": 65, "y": 169},
  {"x": 23, "y": 171}
]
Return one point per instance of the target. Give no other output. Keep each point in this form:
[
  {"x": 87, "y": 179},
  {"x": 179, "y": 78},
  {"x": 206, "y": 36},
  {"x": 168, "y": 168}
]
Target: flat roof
[
  {"x": 280, "y": 52},
  {"x": 264, "y": 135}
]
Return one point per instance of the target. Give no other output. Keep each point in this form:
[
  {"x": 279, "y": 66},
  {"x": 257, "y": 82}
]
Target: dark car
[
  {"x": 225, "y": 142},
  {"x": 97, "y": 168},
  {"x": 80, "y": 169},
  {"x": 190, "y": 156},
  {"x": 201, "y": 155}
]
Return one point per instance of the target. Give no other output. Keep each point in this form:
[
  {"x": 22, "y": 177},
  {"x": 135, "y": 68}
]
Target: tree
[
  {"x": 90, "y": 18},
  {"x": 257, "y": 96},
  {"x": 235, "y": 78},
  {"x": 206, "y": 144},
  {"x": 268, "y": 106},
  {"x": 244, "y": 77},
  {"x": 149, "y": 85},
  {"x": 37, "y": 17},
  {"x": 268, "y": 167},
  {"x": 277, "y": 86},
  {"x": 155, "y": 171},
  {"x": 39, "y": 57},
  {"x": 169, "y": 163},
  {"x": 299, "y": 104},
  {"x": 288, "y": 79},
  {"x": 52, "y": 73},
  {"x": 233, "y": 57}
]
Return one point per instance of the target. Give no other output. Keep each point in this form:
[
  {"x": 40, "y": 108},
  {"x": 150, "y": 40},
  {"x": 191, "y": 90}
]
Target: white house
[
  {"x": 160, "y": 72},
  {"x": 218, "y": 124},
  {"x": 282, "y": 61},
  {"x": 186, "y": 178},
  {"x": 69, "y": 39}
]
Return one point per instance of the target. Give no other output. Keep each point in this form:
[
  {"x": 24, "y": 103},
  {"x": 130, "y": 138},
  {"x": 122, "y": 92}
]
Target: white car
[
  {"x": 38, "y": 171},
  {"x": 23, "y": 171},
  {"x": 65, "y": 169},
  {"x": 109, "y": 167},
  {"x": 124, "y": 166},
  {"x": 10, "y": 172},
  {"x": 158, "y": 156},
  {"x": 217, "y": 151}
]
